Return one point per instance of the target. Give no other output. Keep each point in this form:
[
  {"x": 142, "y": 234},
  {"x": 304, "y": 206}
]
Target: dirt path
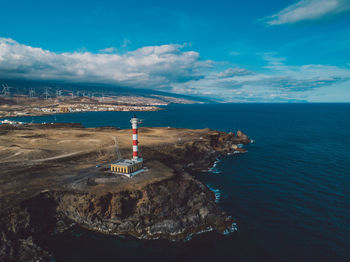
[{"x": 59, "y": 156}]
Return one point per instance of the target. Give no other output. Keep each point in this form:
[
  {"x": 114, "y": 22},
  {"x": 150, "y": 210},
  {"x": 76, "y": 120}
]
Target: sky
[{"x": 229, "y": 51}]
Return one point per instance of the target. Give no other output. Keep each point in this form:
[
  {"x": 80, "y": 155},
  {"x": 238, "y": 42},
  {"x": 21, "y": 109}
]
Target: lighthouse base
[
  {"x": 144, "y": 169},
  {"x": 127, "y": 166}
]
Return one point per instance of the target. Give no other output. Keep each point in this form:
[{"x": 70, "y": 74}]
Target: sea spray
[
  {"x": 233, "y": 228},
  {"x": 216, "y": 192},
  {"x": 214, "y": 169}
]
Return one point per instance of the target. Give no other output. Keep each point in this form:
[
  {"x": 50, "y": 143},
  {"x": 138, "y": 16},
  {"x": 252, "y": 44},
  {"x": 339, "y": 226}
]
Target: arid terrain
[
  {"x": 63, "y": 151},
  {"x": 61, "y": 171}
]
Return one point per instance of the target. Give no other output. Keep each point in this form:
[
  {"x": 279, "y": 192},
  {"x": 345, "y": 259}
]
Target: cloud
[
  {"x": 277, "y": 83},
  {"x": 126, "y": 42},
  {"x": 170, "y": 68},
  {"x": 150, "y": 67},
  {"x": 108, "y": 50},
  {"x": 230, "y": 72},
  {"x": 308, "y": 10}
]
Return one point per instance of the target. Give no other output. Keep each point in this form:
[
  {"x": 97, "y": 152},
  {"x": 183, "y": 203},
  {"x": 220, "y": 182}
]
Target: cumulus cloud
[
  {"x": 278, "y": 82},
  {"x": 304, "y": 77},
  {"x": 151, "y": 67},
  {"x": 170, "y": 68},
  {"x": 307, "y": 10}
]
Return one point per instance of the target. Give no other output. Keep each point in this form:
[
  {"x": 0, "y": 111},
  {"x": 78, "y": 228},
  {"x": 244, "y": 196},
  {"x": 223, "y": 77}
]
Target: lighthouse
[
  {"x": 130, "y": 167},
  {"x": 135, "y": 149}
]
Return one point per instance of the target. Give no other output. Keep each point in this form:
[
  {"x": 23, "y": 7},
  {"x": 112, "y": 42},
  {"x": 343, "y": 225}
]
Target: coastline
[
  {"x": 29, "y": 106},
  {"x": 43, "y": 112}
]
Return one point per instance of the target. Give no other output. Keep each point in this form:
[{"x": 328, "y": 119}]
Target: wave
[
  {"x": 213, "y": 169},
  {"x": 216, "y": 192},
  {"x": 233, "y": 228}
]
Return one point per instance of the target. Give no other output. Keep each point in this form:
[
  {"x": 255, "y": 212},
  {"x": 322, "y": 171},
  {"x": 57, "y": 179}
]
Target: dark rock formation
[
  {"x": 171, "y": 209},
  {"x": 20, "y": 227},
  {"x": 175, "y": 208}
]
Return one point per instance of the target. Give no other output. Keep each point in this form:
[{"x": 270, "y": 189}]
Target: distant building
[{"x": 64, "y": 110}]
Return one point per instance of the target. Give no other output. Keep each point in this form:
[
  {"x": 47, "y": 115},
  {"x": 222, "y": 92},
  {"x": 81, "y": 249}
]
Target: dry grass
[{"x": 35, "y": 159}]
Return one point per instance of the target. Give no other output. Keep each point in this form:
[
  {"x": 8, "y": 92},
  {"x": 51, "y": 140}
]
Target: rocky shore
[{"x": 164, "y": 203}]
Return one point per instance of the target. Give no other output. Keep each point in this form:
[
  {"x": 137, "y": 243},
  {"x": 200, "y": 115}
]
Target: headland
[{"x": 56, "y": 175}]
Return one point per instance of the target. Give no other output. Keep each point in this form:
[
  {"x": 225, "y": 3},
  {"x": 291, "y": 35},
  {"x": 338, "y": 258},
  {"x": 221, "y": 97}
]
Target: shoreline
[
  {"x": 29, "y": 106},
  {"x": 42, "y": 113}
]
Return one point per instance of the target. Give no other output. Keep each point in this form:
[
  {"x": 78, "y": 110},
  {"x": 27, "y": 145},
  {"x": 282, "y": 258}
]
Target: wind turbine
[
  {"x": 46, "y": 93},
  {"x": 31, "y": 92},
  {"x": 6, "y": 90},
  {"x": 58, "y": 93}
]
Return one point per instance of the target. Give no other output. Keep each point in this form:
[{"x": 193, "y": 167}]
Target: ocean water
[{"x": 290, "y": 193}]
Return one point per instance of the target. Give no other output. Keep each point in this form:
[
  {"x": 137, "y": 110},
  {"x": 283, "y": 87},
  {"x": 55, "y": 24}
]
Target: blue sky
[{"x": 244, "y": 51}]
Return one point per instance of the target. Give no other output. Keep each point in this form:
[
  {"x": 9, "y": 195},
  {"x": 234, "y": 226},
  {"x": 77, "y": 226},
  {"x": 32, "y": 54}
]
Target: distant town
[
  {"x": 69, "y": 108},
  {"x": 46, "y": 101}
]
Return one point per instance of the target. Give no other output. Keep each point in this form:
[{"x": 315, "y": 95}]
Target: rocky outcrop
[
  {"x": 20, "y": 227},
  {"x": 200, "y": 154},
  {"x": 174, "y": 208}
]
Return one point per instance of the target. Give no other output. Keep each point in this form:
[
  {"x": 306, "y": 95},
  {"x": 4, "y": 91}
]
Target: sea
[{"x": 290, "y": 193}]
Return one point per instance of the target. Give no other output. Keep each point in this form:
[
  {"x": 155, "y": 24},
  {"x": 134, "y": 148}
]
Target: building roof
[{"x": 128, "y": 162}]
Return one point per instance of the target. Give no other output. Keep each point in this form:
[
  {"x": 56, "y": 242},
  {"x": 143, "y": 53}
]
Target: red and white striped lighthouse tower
[{"x": 134, "y": 122}]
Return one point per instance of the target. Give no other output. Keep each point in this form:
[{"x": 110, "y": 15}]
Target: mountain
[{"x": 23, "y": 87}]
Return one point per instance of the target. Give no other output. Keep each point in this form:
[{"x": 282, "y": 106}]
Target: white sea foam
[
  {"x": 216, "y": 192},
  {"x": 217, "y": 161},
  {"x": 213, "y": 169},
  {"x": 233, "y": 228}
]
